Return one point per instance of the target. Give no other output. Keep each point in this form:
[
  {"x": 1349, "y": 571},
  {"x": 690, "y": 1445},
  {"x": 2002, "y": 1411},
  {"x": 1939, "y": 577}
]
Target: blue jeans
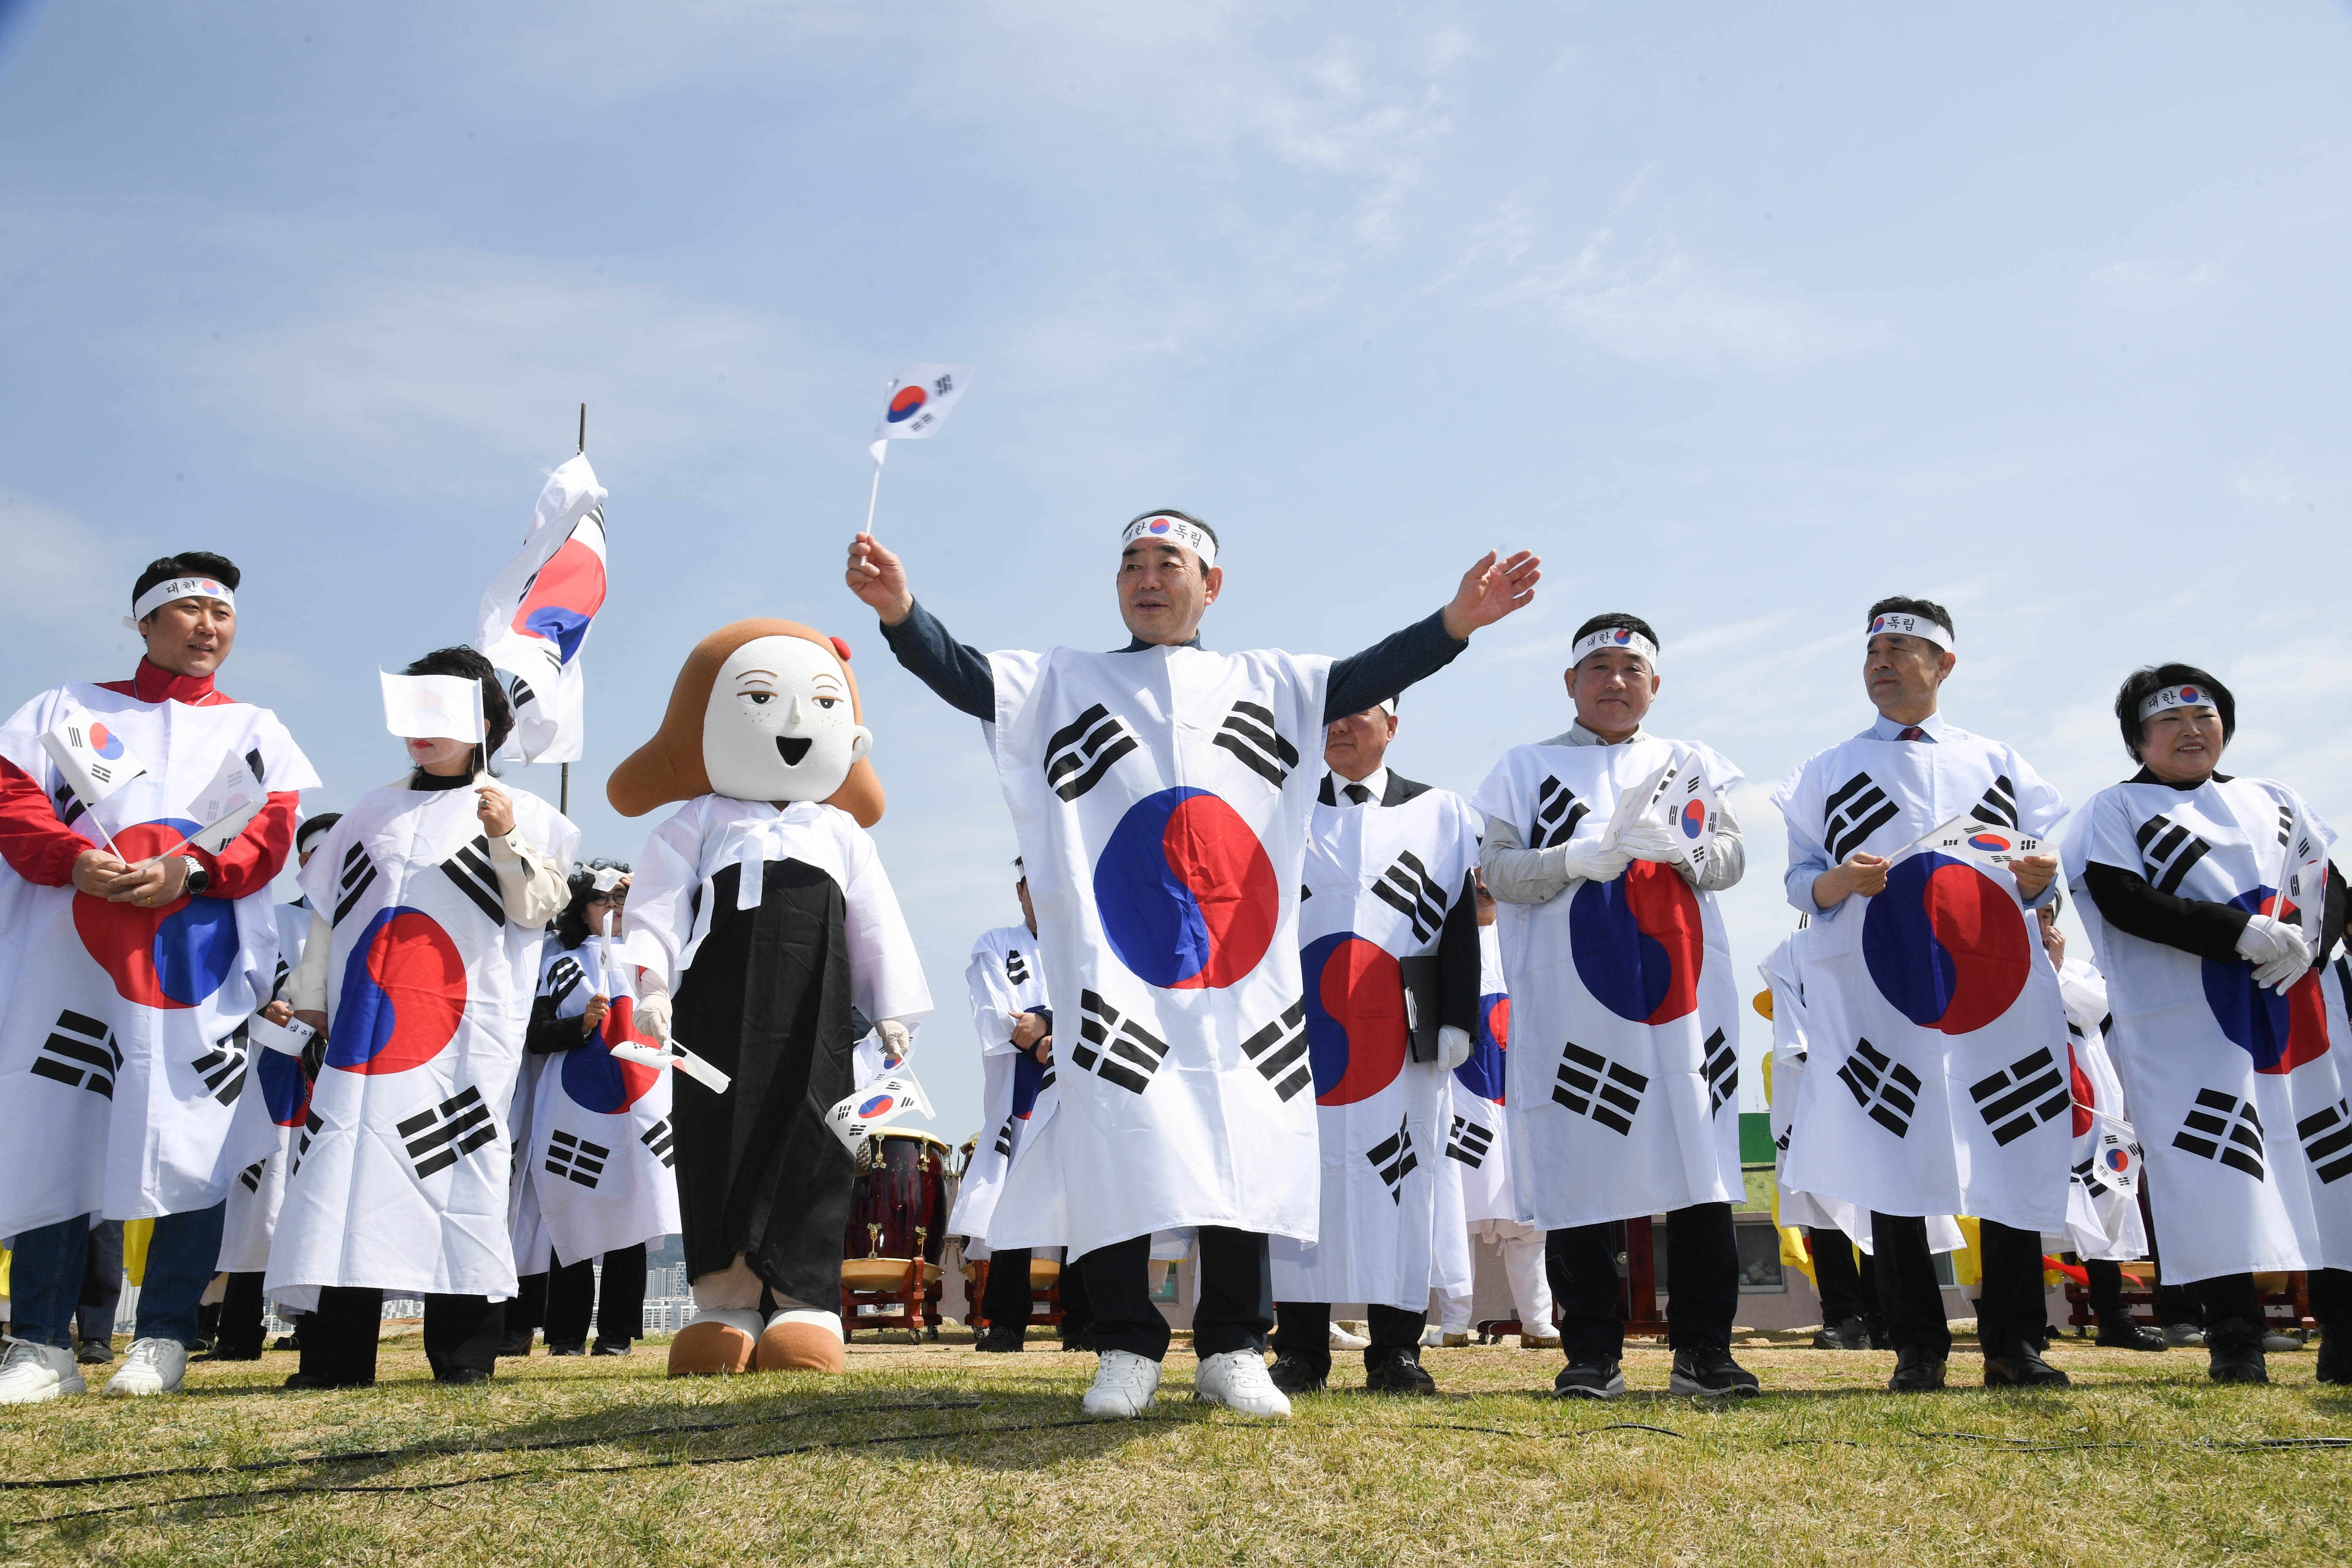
[{"x": 45, "y": 1268}]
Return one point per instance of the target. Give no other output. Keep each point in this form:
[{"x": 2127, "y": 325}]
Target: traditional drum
[{"x": 897, "y": 1224}]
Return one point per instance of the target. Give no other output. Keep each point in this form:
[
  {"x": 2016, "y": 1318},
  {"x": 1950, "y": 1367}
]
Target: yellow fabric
[
  {"x": 136, "y": 1234},
  {"x": 3, "y": 1271},
  {"x": 1795, "y": 1251},
  {"x": 1968, "y": 1263}
]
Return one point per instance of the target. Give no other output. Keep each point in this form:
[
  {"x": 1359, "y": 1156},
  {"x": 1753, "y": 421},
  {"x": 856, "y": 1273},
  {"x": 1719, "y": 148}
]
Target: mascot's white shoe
[
  {"x": 716, "y": 1342},
  {"x": 31, "y": 1373},
  {"x": 802, "y": 1339},
  {"x": 1238, "y": 1381},
  {"x": 1125, "y": 1385},
  {"x": 1342, "y": 1340},
  {"x": 150, "y": 1366}
]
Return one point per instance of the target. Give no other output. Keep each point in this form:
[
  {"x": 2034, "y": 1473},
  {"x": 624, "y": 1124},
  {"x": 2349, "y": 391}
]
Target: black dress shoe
[
  {"x": 303, "y": 1380},
  {"x": 1296, "y": 1375},
  {"x": 610, "y": 1347},
  {"x": 1915, "y": 1372},
  {"x": 235, "y": 1353},
  {"x": 2334, "y": 1353},
  {"x": 1709, "y": 1371},
  {"x": 516, "y": 1343},
  {"x": 2022, "y": 1367},
  {"x": 465, "y": 1376},
  {"x": 1081, "y": 1338},
  {"x": 1399, "y": 1372},
  {"x": 2122, "y": 1331},
  {"x": 2233, "y": 1348},
  {"x": 1589, "y": 1380},
  {"x": 1002, "y": 1341},
  {"x": 567, "y": 1347},
  {"x": 1850, "y": 1335}
]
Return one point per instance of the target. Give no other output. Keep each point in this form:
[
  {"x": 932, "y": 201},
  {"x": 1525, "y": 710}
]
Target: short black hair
[
  {"x": 1903, "y": 605},
  {"x": 187, "y": 564},
  {"x": 497, "y": 714},
  {"x": 1615, "y": 619},
  {"x": 2147, "y": 681},
  {"x": 1185, "y": 516}
]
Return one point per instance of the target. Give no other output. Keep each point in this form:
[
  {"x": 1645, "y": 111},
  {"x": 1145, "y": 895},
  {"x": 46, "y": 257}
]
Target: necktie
[
  {"x": 1357, "y": 795},
  {"x": 1914, "y": 733}
]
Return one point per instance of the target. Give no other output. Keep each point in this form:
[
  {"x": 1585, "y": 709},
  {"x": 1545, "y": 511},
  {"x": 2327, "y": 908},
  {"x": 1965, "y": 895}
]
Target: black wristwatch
[{"x": 198, "y": 878}]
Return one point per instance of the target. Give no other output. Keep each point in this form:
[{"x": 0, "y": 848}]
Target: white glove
[
  {"x": 653, "y": 1007},
  {"x": 1453, "y": 1046},
  {"x": 1586, "y": 858},
  {"x": 897, "y": 1045},
  {"x": 2278, "y": 952},
  {"x": 1648, "y": 840}
]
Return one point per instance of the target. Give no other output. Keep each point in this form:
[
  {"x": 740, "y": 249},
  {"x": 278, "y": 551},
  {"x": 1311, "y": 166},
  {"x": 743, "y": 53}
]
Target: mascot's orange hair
[{"x": 669, "y": 766}]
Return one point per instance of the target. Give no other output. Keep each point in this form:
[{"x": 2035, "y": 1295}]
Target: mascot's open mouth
[{"x": 793, "y": 748}]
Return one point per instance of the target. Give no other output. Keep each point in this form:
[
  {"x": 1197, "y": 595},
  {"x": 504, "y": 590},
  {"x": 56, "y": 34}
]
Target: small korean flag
[
  {"x": 232, "y": 798},
  {"x": 1991, "y": 845},
  {"x": 884, "y": 1100},
  {"x": 1693, "y": 810},
  {"x": 2303, "y": 879},
  {"x": 917, "y": 402},
  {"x": 433, "y": 707},
  {"x": 91, "y": 758}
]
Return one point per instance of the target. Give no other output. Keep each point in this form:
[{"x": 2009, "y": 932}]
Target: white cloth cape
[
  {"x": 280, "y": 1097},
  {"x": 1006, "y": 975},
  {"x": 1380, "y": 1116},
  {"x": 1613, "y": 1115},
  {"x": 1965, "y": 1112},
  {"x": 1181, "y": 1063},
  {"x": 2238, "y": 1094},
  {"x": 1478, "y": 1136},
  {"x": 121, "y": 1074},
  {"x": 2102, "y": 1195},
  {"x": 400, "y": 1182}
]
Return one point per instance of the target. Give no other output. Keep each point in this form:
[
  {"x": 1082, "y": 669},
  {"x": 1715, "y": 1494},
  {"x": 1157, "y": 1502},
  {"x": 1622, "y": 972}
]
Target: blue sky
[{"x": 1742, "y": 318}]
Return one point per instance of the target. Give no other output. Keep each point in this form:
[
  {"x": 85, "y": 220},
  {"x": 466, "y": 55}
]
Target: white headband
[
  {"x": 1897, "y": 624},
  {"x": 2177, "y": 697},
  {"x": 1163, "y": 529},
  {"x": 1625, "y": 638},
  {"x": 162, "y": 594}
]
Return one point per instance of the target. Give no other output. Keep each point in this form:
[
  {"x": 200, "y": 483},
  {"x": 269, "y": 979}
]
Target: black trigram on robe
[
  {"x": 1280, "y": 1050},
  {"x": 310, "y": 1125},
  {"x": 1721, "y": 1070},
  {"x": 1394, "y": 1159},
  {"x": 2223, "y": 1128},
  {"x": 2167, "y": 851},
  {"x": 1855, "y": 810},
  {"x": 80, "y": 1053},
  {"x": 1016, "y": 968},
  {"x": 1999, "y": 805},
  {"x": 1082, "y": 751},
  {"x": 1248, "y": 733},
  {"x": 1591, "y": 1085},
  {"x": 576, "y": 1157},
  {"x": 1407, "y": 888},
  {"x": 357, "y": 874},
  {"x": 1117, "y": 1050},
  {"x": 223, "y": 1067},
  {"x": 563, "y": 977},
  {"x": 1887, "y": 1091},
  {"x": 662, "y": 1141},
  {"x": 2029, "y": 1091},
  {"x": 1468, "y": 1141},
  {"x": 1557, "y": 811},
  {"x": 2326, "y": 1138},
  {"x": 437, "y": 1137},
  {"x": 251, "y": 1176},
  {"x": 470, "y": 870}
]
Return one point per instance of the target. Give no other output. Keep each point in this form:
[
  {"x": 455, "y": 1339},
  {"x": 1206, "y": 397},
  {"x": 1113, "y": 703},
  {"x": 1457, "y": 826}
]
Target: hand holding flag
[{"x": 919, "y": 401}]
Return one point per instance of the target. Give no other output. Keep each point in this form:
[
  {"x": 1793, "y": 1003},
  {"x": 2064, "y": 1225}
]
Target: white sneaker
[
  {"x": 1342, "y": 1340},
  {"x": 1237, "y": 1380},
  {"x": 150, "y": 1366},
  {"x": 1125, "y": 1385},
  {"x": 31, "y": 1373}
]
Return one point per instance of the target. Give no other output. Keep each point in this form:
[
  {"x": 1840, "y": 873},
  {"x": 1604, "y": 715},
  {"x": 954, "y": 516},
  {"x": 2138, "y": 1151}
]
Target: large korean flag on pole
[{"x": 536, "y": 615}]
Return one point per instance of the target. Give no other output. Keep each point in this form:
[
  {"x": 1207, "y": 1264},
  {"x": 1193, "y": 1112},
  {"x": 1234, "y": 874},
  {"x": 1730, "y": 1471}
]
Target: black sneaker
[
  {"x": 1589, "y": 1380},
  {"x": 2334, "y": 1354},
  {"x": 2233, "y": 1350},
  {"x": 1296, "y": 1375},
  {"x": 1708, "y": 1370},
  {"x": 567, "y": 1347},
  {"x": 465, "y": 1376},
  {"x": 303, "y": 1380},
  {"x": 610, "y": 1347},
  {"x": 1399, "y": 1372},
  {"x": 1915, "y": 1372},
  {"x": 2022, "y": 1367},
  {"x": 1001, "y": 1340},
  {"x": 2122, "y": 1331},
  {"x": 1852, "y": 1334}
]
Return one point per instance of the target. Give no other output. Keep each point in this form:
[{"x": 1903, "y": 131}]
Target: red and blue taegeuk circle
[
  {"x": 598, "y": 1080},
  {"x": 1482, "y": 1073},
  {"x": 2118, "y": 1160},
  {"x": 2281, "y": 1033},
  {"x": 1694, "y": 819},
  {"x": 1945, "y": 945},
  {"x": 1989, "y": 843},
  {"x": 877, "y": 1105},
  {"x": 1356, "y": 1034},
  {"x": 285, "y": 1088},
  {"x": 1028, "y": 1076},
  {"x": 173, "y": 955},
  {"x": 403, "y": 995},
  {"x": 104, "y": 742},
  {"x": 2191, "y": 694},
  {"x": 1186, "y": 894},
  {"x": 1639, "y": 942},
  {"x": 563, "y": 597},
  {"x": 905, "y": 402}
]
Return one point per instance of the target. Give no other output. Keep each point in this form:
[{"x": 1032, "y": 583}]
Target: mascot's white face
[{"x": 779, "y": 726}]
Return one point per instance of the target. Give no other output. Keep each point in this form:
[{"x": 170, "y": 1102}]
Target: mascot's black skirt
[{"x": 767, "y": 1002}]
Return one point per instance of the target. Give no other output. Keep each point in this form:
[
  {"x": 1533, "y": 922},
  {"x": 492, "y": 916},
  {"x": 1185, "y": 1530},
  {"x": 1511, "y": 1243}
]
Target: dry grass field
[{"x": 937, "y": 1455}]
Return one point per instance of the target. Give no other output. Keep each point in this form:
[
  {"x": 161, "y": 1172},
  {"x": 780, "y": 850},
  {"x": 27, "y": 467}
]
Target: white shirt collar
[
  {"x": 1886, "y": 729},
  {"x": 1377, "y": 781},
  {"x": 1576, "y": 734}
]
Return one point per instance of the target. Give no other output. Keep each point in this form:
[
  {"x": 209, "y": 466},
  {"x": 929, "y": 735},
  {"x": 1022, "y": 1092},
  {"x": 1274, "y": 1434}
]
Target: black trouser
[
  {"x": 2174, "y": 1304},
  {"x": 1235, "y": 1309},
  {"x": 102, "y": 1284},
  {"x": 528, "y": 1309},
  {"x": 1847, "y": 1291},
  {"x": 1702, "y": 1280},
  {"x": 2106, "y": 1287},
  {"x": 2225, "y": 1297},
  {"x": 2009, "y": 1306},
  {"x": 1007, "y": 1301},
  {"x": 339, "y": 1342},
  {"x": 1303, "y": 1328},
  {"x": 620, "y": 1311},
  {"x": 240, "y": 1336}
]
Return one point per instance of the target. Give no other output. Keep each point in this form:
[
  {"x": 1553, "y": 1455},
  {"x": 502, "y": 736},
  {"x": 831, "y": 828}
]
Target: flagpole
[
  {"x": 876, "y": 493},
  {"x": 563, "y": 770}
]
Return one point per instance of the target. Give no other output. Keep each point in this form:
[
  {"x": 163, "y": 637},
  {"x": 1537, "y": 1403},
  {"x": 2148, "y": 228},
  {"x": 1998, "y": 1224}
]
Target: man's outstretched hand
[
  {"x": 1490, "y": 590},
  {"x": 876, "y": 576}
]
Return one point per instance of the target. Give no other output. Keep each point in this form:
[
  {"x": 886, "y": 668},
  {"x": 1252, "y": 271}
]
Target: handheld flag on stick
[
  {"x": 93, "y": 761},
  {"x": 621, "y": 1035},
  {"x": 884, "y": 1100},
  {"x": 2303, "y": 878},
  {"x": 918, "y": 402},
  {"x": 433, "y": 707},
  {"x": 534, "y": 619},
  {"x": 1993, "y": 845},
  {"x": 234, "y": 797}
]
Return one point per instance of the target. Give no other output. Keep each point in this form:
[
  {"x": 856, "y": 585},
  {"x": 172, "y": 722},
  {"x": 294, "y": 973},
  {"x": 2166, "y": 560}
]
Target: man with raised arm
[{"x": 1162, "y": 812}]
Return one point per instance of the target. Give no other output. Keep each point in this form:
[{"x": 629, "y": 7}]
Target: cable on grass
[
  {"x": 2224, "y": 1445},
  {"x": 1548, "y": 1436}
]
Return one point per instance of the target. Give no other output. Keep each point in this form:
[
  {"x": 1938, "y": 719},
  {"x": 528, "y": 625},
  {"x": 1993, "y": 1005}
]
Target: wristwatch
[{"x": 198, "y": 878}]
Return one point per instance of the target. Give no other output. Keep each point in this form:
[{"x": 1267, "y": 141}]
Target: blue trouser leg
[
  {"x": 45, "y": 1271},
  {"x": 182, "y": 1258}
]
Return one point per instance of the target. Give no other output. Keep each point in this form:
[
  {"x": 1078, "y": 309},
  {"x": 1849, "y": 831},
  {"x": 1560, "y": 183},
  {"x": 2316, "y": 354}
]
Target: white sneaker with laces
[
  {"x": 150, "y": 1366},
  {"x": 1238, "y": 1381},
  {"x": 1125, "y": 1385},
  {"x": 30, "y": 1373}
]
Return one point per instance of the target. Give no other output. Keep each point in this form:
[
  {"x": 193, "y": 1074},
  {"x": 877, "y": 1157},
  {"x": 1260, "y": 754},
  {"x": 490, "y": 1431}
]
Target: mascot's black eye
[
  {"x": 828, "y": 702},
  {"x": 759, "y": 697}
]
